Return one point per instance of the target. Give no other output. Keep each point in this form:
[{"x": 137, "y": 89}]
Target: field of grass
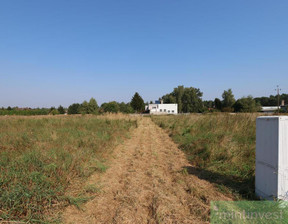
[
  {"x": 40, "y": 157},
  {"x": 221, "y": 147}
]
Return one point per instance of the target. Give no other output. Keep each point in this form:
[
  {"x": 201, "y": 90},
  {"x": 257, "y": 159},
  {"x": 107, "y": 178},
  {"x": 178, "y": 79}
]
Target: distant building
[
  {"x": 162, "y": 108},
  {"x": 269, "y": 109},
  {"x": 272, "y": 109}
]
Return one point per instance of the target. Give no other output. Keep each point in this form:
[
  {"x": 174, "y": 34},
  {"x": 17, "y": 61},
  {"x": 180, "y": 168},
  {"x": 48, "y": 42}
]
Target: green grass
[
  {"x": 40, "y": 157},
  {"x": 221, "y": 147}
]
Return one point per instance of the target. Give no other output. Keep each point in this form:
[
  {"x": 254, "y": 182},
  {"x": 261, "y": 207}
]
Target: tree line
[
  {"x": 189, "y": 100},
  {"x": 136, "y": 105}
]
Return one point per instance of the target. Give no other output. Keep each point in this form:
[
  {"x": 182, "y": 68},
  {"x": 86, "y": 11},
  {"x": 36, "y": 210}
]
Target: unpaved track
[{"x": 145, "y": 183}]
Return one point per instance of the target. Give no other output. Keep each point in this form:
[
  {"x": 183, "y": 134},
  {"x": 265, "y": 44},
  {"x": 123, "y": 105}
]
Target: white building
[
  {"x": 273, "y": 109},
  {"x": 269, "y": 109},
  {"x": 162, "y": 108}
]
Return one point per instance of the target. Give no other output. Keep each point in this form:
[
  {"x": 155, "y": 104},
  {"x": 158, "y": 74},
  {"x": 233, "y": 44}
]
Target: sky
[{"x": 56, "y": 52}]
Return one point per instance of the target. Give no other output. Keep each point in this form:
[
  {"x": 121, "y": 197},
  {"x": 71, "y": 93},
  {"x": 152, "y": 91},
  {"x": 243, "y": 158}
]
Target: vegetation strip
[
  {"x": 39, "y": 158},
  {"x": 221, "y": 147}
]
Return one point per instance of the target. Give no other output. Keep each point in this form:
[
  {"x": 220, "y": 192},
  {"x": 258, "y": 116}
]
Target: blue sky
[{"x": 59, "y": 52}]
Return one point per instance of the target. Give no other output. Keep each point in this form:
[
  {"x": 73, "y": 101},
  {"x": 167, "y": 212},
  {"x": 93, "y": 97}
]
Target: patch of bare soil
[{"x": 147, "y": 183}]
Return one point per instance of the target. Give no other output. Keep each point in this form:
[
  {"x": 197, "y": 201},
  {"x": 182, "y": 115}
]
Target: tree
[
  {"x": 137, "y": 103},
  {"x": 188, "y": 99},
  {"x": 61, "y": 110},
  {"x": 92, "y": 106},
  {"x": 246, "y": 104},
  {"x": 191, "y": 100},
  {"x": 126, "y": 108},
  {"x": 228, "y": 99},
  {"x": 271, "y": 100},
  {"x": 175, "y": 97},
  {"x": 54, "y": 112},
  {"x": 84, "y": 109},
  {"x": 112, "y": 107},
  {"x": 170, "y": 98},
  {"x": 218, "y": 104},
  {"x": 51, "y": 109},
  {"x": 74, "y": 108},
  {"x": 208, "y": 105}
]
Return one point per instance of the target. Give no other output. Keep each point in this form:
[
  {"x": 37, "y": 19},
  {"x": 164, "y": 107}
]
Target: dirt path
[{"x": 146, "y": 183}]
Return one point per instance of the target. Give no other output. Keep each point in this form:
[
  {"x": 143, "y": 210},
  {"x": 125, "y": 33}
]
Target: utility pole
[{"x": 278, "y": 96}]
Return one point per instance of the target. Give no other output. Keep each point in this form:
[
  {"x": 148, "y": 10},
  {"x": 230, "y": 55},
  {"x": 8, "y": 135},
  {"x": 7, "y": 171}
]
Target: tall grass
[
  {"x": 221, "y": 147},
  {"x": 39, "y": 157}
]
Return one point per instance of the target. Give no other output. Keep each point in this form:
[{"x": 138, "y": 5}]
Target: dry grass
[
  {"x": 41, "y": 156},
  {"x": 148, "y": 181}
]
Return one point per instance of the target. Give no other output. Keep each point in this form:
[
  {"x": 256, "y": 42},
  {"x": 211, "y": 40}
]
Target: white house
[{"x": 162, "y": 108}]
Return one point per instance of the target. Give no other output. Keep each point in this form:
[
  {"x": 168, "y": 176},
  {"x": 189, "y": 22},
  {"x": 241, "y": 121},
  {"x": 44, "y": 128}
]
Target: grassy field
[
  {"x": 221, "y": 148},
  {"x": 40, "y": 157}
]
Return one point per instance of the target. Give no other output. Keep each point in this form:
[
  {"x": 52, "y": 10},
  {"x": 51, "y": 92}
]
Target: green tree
[
  {"x": 170, "y": 98},
  {"x": 188, "y": 99},
  {"x": 208, "y": 105},
  {"x": 137, "y": 103},
  {"x": 92, "y": 106},
  {"x": 272, "y": 100},
  {"x": 191, "y": 100},
  {"x": 228, "y": 99},
  {"x": 112, "y": 107},
  {"x": 51, "y": 109},
  {"x": 218, "y": 104},
  {"x": 126, "y": 108},
  {"x": 176, "y": 96},
  {"x": 74, "y": 108},
  {"x": 61, "y": 110},
  {"x": 246, "y": 104},
  {"x": 84, "y": 109},
  {"x": 54, "y": 112}
]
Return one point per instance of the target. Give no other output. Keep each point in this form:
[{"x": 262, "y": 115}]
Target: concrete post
[{"x": 271, "y": 174}]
